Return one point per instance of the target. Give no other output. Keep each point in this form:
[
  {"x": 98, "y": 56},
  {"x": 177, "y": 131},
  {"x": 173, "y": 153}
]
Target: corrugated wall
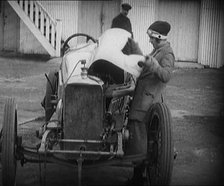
[
  {"x": 184, "y": 17},
  {"x": 110, "y": 10},
  {"x": 220, "y": 58},
  {"x": 90, "y": 18},
  {"x": 96, "y": 16},
  {"x": 142, "y": 15},
  {"x": 180, "y": 14},
  {"x": 211, "y": 34}
]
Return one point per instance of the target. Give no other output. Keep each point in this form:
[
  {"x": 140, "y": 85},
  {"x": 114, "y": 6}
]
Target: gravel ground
[{"x": 195, "y": 97}]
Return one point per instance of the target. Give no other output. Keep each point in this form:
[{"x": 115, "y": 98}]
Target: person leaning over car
[
  {"x": 157, "y": 71},
  {"x": 121, "y": 20}
]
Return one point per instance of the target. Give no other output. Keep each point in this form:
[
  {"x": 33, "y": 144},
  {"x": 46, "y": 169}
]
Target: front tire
[
  {"x": 160, "y": 145},
  {"x": 9, "y": 143}
]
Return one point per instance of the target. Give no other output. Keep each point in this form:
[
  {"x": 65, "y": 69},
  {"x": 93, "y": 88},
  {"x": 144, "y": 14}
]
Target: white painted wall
[
  {"x": 28, "y": 44},
  {"x": 67, "y": 11},
  {"x": 10, "y": 28}
]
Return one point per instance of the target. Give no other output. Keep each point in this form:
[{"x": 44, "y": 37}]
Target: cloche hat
[{"x": 159, "y": 29}]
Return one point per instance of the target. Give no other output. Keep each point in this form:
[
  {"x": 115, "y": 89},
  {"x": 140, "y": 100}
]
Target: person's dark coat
[
  {"x": 151, "y": 83},
  {"x": 122, "y": 21}
]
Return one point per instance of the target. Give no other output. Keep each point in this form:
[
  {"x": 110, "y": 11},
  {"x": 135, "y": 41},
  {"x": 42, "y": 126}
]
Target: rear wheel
[
  {"x": 160, "y": 145},
  {"x": 9, "y": 143}
]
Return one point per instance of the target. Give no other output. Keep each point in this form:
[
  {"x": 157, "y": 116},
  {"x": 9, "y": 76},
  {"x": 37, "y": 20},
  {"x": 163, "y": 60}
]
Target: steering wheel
[{"x": 66, "y": 45}]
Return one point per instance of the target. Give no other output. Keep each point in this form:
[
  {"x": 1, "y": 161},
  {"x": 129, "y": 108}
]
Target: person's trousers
[{"x": 137, "y": 143}]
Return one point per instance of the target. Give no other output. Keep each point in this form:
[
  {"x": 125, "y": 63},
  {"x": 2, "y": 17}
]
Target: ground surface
[{"x": 196, "y": 100}]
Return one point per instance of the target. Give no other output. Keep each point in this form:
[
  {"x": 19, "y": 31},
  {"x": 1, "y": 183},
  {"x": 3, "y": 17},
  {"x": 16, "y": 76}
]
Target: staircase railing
[{"x": 48, "y": 27}]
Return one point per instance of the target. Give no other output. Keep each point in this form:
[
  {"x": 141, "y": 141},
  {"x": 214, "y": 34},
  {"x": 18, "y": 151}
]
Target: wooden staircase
[{"x": 46, "y": 29}]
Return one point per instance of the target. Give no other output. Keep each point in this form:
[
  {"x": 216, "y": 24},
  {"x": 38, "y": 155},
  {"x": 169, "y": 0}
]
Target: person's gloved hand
[{"x": 151, "y": 63}]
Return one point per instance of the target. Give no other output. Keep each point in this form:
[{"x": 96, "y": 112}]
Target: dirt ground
[{"x": 196, "y": 100}]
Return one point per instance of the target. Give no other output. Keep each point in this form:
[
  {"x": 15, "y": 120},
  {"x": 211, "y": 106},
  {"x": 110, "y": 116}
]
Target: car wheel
[
  {"x": 9, "y": 143},
  {"x": 160, "y": 145}
]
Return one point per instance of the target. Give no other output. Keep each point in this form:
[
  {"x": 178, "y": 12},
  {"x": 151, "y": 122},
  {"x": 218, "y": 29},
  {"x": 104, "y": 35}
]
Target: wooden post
[
  {"x": 26, "y": 7},
  {"x": 52, "y": 34},
  {"x": 47, "y": 29},
  {"x": 36, "y": 15},
  {"x": 58, "y": 37},
  {"x": 42, "y": 21},
  {"x": 31, "y": 10},
  {"x": 21, "y": 3}
]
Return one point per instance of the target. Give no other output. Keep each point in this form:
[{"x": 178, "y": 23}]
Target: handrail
[{"x": 49, "y": 28}]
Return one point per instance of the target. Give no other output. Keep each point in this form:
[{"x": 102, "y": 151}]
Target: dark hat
[
  {"x": 159, "y": 29},
  {"x": 126, "y": 6}
]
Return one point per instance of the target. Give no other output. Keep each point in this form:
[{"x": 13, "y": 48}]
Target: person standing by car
[
  {"x": 121, "y": 20},
  {"x": 156, "y": 73}
]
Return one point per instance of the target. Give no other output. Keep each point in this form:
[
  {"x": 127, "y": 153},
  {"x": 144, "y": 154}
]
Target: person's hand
[
  {"x": 142, "y": 63},
  {"x": 151, "y": 63}
]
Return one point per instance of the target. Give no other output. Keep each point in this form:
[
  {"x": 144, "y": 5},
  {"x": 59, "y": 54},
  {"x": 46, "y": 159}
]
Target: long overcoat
[{"x": 151, "y": 82}]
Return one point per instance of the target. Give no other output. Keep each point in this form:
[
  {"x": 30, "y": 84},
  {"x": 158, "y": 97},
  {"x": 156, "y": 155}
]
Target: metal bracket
[{"x": 42, "y": 148}]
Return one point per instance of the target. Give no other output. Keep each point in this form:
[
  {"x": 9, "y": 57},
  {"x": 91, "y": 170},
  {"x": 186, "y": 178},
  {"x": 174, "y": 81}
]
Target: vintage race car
[{"x": 86, "y": 109}]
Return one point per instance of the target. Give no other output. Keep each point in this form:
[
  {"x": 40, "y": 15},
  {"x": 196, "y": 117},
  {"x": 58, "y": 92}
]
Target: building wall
[
  {"x": 184, "y": 17},
  {"x": 9, "y": 28},
  {"x": 109, "y": 11},
  {"x": 211, "y": 39},
  {"x": 1, "y": 25},
  {"x": 96, "y": 16},
  {"x": 220, "y": 58},
  {"x": 67, "y": 12},
  {"x": 28, "y": 44},
  {"x": 90, "y": 18},
  {"x": 142, "y": 14},
  {"x": 196, "y": 34},
  {"x": 197, "y": 27},
  {"x": 14, "y": 34}
]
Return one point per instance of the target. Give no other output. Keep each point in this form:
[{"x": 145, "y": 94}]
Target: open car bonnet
[{"x": 109, "y": 49}]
